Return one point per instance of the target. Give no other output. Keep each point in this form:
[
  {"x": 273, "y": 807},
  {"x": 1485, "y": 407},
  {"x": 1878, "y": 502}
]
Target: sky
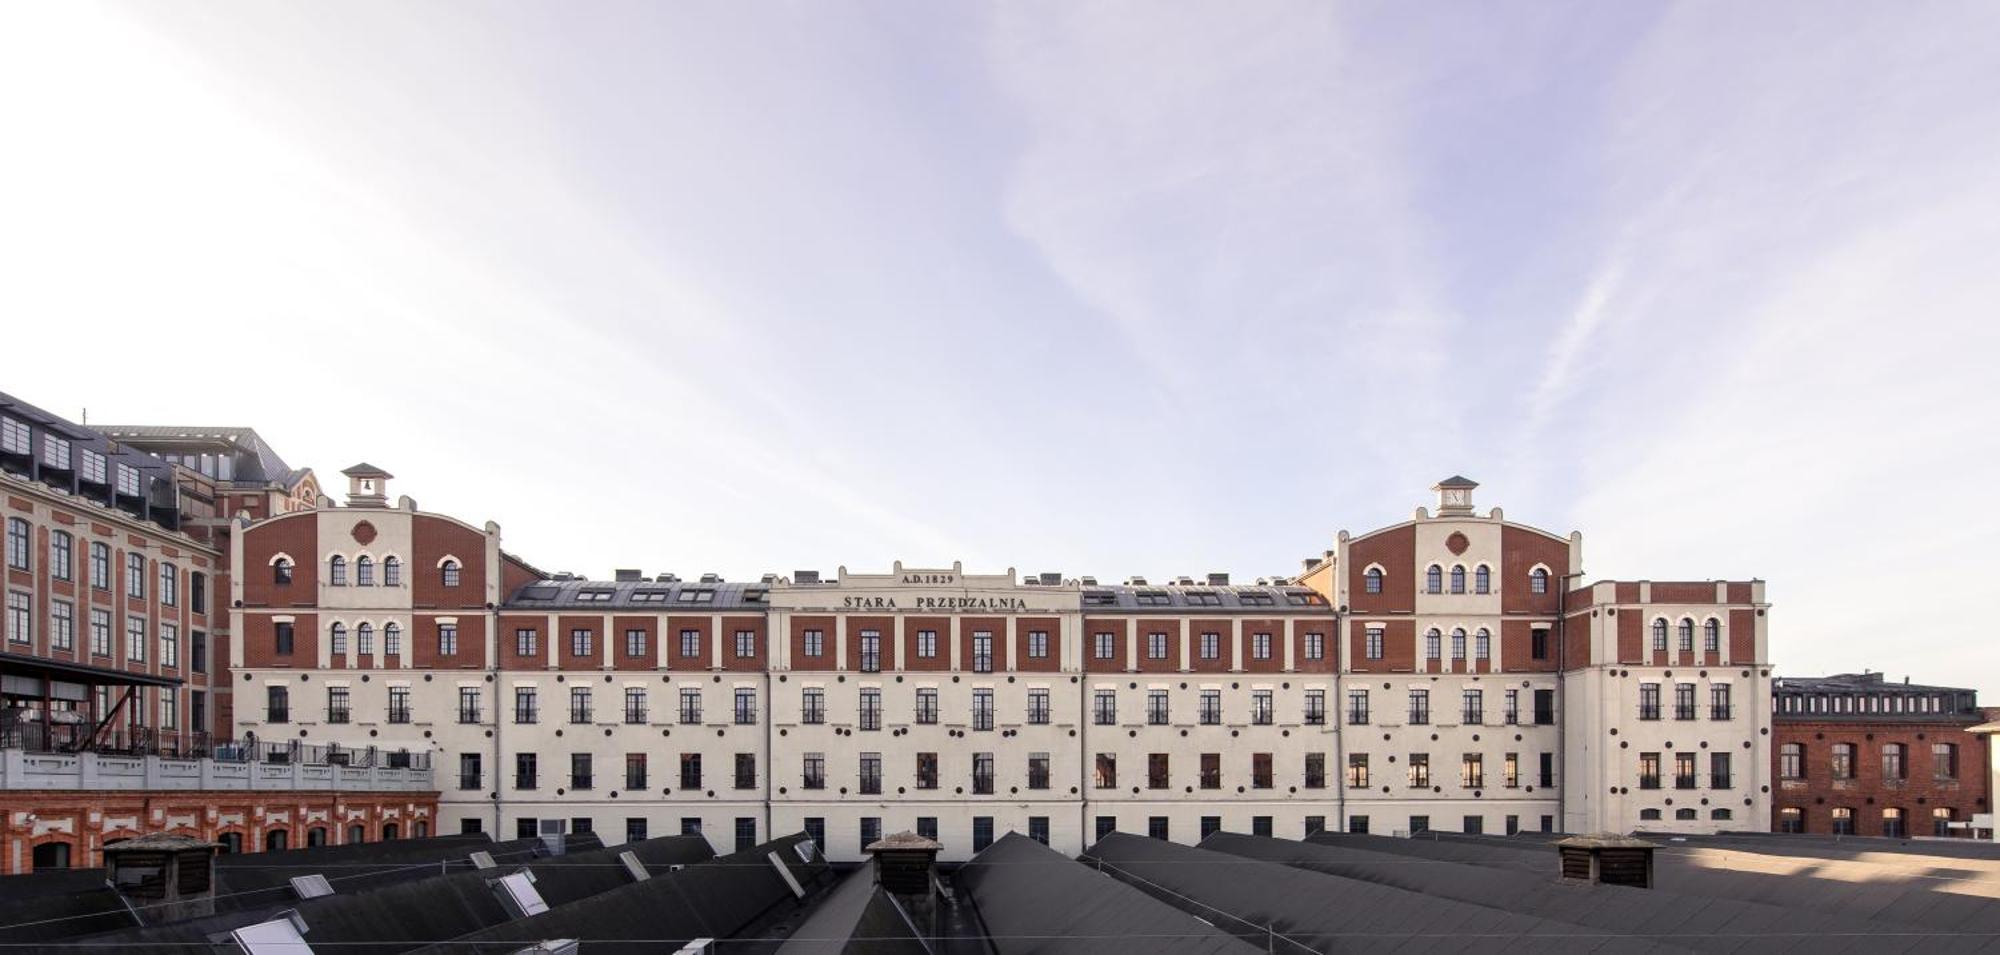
[{"x": 1106, "y": 289}]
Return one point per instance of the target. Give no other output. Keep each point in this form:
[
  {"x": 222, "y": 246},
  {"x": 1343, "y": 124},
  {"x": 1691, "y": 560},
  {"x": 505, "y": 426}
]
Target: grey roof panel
[{"x": 1031, "y": 898}]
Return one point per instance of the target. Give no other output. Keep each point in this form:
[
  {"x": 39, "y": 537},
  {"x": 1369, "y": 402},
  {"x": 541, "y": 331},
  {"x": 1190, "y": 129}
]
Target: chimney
[
  {"x": 1607, "y": 859},
  {"x": 805, "y": 576},
  {"x": 906, "y": 868},
  {"x": 627, "y": 575},
  {"x": 1218, "y": 580},
  {"x": 1052, "y": 579},
  {"x": 168, "y": 877}
]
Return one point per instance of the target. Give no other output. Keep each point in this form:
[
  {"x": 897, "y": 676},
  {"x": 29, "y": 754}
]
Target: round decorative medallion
[
  {"x": 1456, "y": 543},
  {"x": 364, "y": 532}
]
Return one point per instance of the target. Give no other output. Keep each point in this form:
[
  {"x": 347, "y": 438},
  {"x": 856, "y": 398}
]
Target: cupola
[
  {"x": 1455, "y": 496},
  {"x": 367, "y": 486}
]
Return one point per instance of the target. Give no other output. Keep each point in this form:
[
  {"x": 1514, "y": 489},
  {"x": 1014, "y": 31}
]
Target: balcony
[
  {"x": 1472, "y": 718},
  {"x": 927, "y": 715},
  {"x": 1156, "y": 717},
  {"x": 746, "y": 716},
  {"x": 982, "y": 719},
  {"x": 871, "y": 720},
  {"x": 982, "y": 784},
  {"x": 1649, "y": 782},
  {"x": 1038, "y": 716},
  {"x": 468, "y": 715},
  {"x": 1211, "y": 779},
  {"x": 1315, "y": 717},
  {"x": 278, "y": 715},
  {"x": 812, "y": 715},
  {"x": 579, "y": 714},
  {"x": 1684, "y": 712},
  {"x": 1357, "y": 717},
  {"x": 471, "y": 781},
  {"x": 580, "y": 782},
  {"x": 1649, "y": 712},
  {"x": 690, "y": 780},
  {"x": 524, "y": 780},
  {"x": 746, "y": 780},
  {"x": 399, "y": 714},
  {"x": 1722, "y": 781},
  {"x": 1684, "y": 782},
  {"x": 1262, "y": 718},
  {"x": 1719, "y": 713},
  {"x": 813, "y": 781},
  {"x": 635, "y": 781},
  {"x": 871, "y": 784},
  {"x": 871, "y": 662},
  {"x": 691, "y": 716},
  {"x": 336, "y": 716},
  {"x": 1038, "y": 779},
  {"x": 526, "y": 715}
]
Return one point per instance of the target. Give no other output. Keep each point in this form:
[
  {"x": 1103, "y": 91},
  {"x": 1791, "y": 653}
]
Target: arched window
[
  {"x": 1374, "y": 580},
  {"x": 18, "y": 538},
  {"x": 1458, "y": 643},
  {"x": 1687, "y": 635},
  {"x": 1482, "y": 645},
  {"x": 1711, "y": 635},
  {"x": 55, "y": 855},
  {"x": 420, "y": 829},
  {"x": 232, "y": 842},
  {"x": 1434, "y": 580},
  {"x": 357, "y": 833},
  {"x": 281, "y": 569},
  {"x": 392, "y": 640},
  {"x": 275, "y": 840},
  {"x": 316, "y": 836},
  {"x": 1538, "y": 581},
  {"x": 1434, "y": 644},
  {"x": 1458, "y": 578},
  {"x": 392, "y": 572},
  {"x": 388, "y": 831},
  {"x": 364, "y": 571},
  {"x": 336, "y": 571},
  {"x": 339, "y": 638},
  {"x": 1482, "y": 580},
  {"x": 364, "y": 638},
  {"x": 449, "y": 572},
  {"x": 1660, "y": 635}
]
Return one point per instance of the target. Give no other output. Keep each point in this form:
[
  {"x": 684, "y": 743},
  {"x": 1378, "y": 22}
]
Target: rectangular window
[
  {"x": 399, "y": 704},
  {"x": 1038, "y": 644},
  {"x": 1038, "y": 707},
  {"x": 1547, "y": 774},
  {"x": 524, "y": 642},
  {"x": 1038, "y": 829},
  {"x": 1156, "y": 646},
  {"x": 691, "y": 705},
  {"x": 1944, "y": 761},
  {"x": 926, "y": 644},
  {"x": 524, "y": 705},
  {"x": 1374, "y": 643},
  {"x": 336, "y": 704},
  {"x": 982, "y": 709},
  {"x": 579, "y": 704},
  {"x": 471, "y": 775},
  {"x": 1105, "y": 774},
  {"x": 1718, "y": 701},
  {"x": 1156, "y": 707},
  {"x": 281, "y": 638},
  {"x": 1211, "y": 771},
  {"x": 746, "y": 706},
  {"x": 20, "y": 617},
  {"x": 815, "y": 643},
  {"x": 525, "y": 771},
  {"x": 62, "y": 555},
  {"x": 580, "y": 643},
  {"x": 982, "y": 652},
  {"x": 1038, "y": 770},
  {"x": 812, "y": 771},
  {"x": 1791, "y": 761},
  {"x": 1895, "y": 764},
  {"x": 871, "y": 651},
  {"x": 927, "y": 771},
  {"x": 1104, "y": 646},
  {"x": 635, "y": 643},
  {"x": 1538, "y": 644},
  {"x": 1649, "y": 770},
  {"x": 982, "y": 774},
  {"x": 1683, "y": 701},
  {"x": 1357, "y": 707},
  {"x": 1211, "y": 708},
  {"x": 1420, "y": 707},
  {"x": 1684, "y": 771},
  {"x": 1510, "y": 771},
  {"x": 871, "y": 831},
  {"x": 1649, "y": 701},
  {"x": 1157, "y": 775},
  {"x": 746, "y": 770},
  {"x": 1474, "y": 706},
  {"x": 1260, "y": 646},
  {"x": 468, "y": 704},
  {"x": 100, "y": 566},
  {"x": 128, "y": 480},
  {"x": 1315, "y": 707},
  {"x": 55, "y": 452},
  {"x": 1719, "y": 775},
  {"x": 1315, "y": 770},
  {"x": 1472, "y": 771},
  {"x": 691, "y": 643},
  {"x": 447, "y": 639},
  {"x": 1260, "y": 771},
  {"x": 871, "y": 709},
  {"x": 982, "y": 832},
  {"x": 1545, "y": 707},
  {"x": 62, "y": 625},
  {"x": 1315, "y": 646},
  {"x": 871, "y": 774},
  {"x": 691, "y": 771},
  {"x": 812, "y": 705},
  {"x": 635, "y": 829},
  {"x": 580, "y": 776},
  {"x": 635, "y": 705},
  {"x": 746, "y": 644},
  {"x": 135, "y": 639},
  {"x": 135, "y": 576},
  {"x": 1420, "y": 771},
  {"x": 1261, "y": 710},
  {"x": 1156, "y": 827},
  {"x": 94, "y": 467},
  {"x": 277, "y": 704},
  {"x": 170, "y": 645},
  {"x": 18, "y": 543},
  {"x": 100, "y": 633},
  {"x": 1105, "y": 710},
  {"x": 170, "y": 585},
  {"x": 1211, "y": 646}
]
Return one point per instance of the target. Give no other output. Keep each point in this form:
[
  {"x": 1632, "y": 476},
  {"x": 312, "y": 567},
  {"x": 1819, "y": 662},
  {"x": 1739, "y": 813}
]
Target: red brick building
[{"x": 1858, "y": 755}]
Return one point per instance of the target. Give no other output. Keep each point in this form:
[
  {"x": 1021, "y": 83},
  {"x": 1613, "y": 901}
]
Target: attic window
[
  {"x": 1256, "y": 598},
  {"x": 1151, "y": 598},
  {"x": 1203, "y": 598},
  {"x": 1304, "y": 598},
  {"x": 539, "y": 593},
  {"x": 756, "y": 595},
  {"x": 649, "y": 596},
  {"x": 593, "y": 596},
  {"x": 1099, "y": 598},
  {"x": 697, "y": 595}
]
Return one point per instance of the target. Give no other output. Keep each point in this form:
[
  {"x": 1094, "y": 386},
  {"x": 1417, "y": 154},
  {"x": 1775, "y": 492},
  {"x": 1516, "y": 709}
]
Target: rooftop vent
[
  {"x": 805, "y": 576},
  {"x": 1184, "y": 581},
  {"x": 1607, "y": 859},
  {"x": 1051, "y": 579},
  {"x": 1218, "y": 580},
  {"x": 633, "y": 867},
  {"x": 627, "y": 575},
  {"x": 517, "y": 894},
  {"x": 284, "y": 935},
  {"x": 666, "y": 579},
  {"x": 711, "y": 578},
  {"x": 768, "y": 579},
  {"x": 311, "y": 886},
  {"x": 565, "y": 575},
  {"x": 483, "y": 860},
  {"x": 1135, "y": 581},
  {"x": 169, "y": 876},
  {"x": 1087, "y": 581},
  {"x": 554, "y": 946}
]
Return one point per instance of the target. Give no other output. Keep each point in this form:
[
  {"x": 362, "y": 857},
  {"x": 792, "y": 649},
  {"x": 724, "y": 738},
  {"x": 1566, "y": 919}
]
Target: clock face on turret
[{"x": 1455, "y": 497}]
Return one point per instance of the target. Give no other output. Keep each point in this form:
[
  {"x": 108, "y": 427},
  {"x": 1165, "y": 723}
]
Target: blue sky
[{"x": 1105, "y": 289}]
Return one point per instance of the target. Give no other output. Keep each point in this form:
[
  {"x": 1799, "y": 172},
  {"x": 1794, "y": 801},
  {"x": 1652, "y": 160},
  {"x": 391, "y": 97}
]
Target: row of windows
[
  {"x": 1711, "y": 635},
  {"x": 364, "y": 572},
  {"x": 1104, "y": 708},
  {"x": 62, "y": 566},
  {"x": 1482, "y": 580},
  {"x": 527, "y": 706},
  {"x": 1471, "y": 771},
  {"x": 1894, "y": 703},
  {"x": 1843, "y": 759},
  {"x": 1471, "y": 712},
  {"x": 1719, "y": 707},
  {"x": 1840, "y": 820},
  {"x": 62, "y": 634},
  {"x": 1208, "y": 646},
  {"x": 637, "y": 643},
  {"x": 1686, "y": 771},
  {"x": 17, "y": 439},
  {"x": 1481, "y": 643}
]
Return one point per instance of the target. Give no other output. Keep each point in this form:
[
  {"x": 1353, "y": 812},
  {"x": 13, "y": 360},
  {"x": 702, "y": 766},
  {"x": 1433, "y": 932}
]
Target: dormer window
[
  {"x": 336, "y": 571},
  {"x": 281, "y": 571},
  {"x": 1458, "y": 578},
  {"x": 392, "y": 572},
  {"x": 448, "y": 573},
  {"x": 593, "y": 596},
  {"x": 1151, "y": 598},
  {"x": 364, "y": 571},
  {"x": 1434, "y": 580}
]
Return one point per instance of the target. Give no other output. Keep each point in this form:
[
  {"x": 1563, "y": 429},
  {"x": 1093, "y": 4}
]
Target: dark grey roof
[
  {"x": 1857, "y": 682},
  {"x": 1292, "y": 910},
  {"x": 1030, "y": 898},
  {"x": 364, "y": 469},
  {"x": 1699, "y": 923},
  {"x": 1198, "y": 598},
  {"x": 683, "y": 596},
  {"x": 255, "y": 461},
  {"x": 1812, "y": 700},
  {"x": 159, "y": 499},
  {"x": 857, "y": 913},
  {"x": 1458, "y": 480}
]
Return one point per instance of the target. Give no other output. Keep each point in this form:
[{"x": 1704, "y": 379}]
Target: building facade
[
  {"x": 1858, "y": 755},
  {"x": 1443, "y": 673}
]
